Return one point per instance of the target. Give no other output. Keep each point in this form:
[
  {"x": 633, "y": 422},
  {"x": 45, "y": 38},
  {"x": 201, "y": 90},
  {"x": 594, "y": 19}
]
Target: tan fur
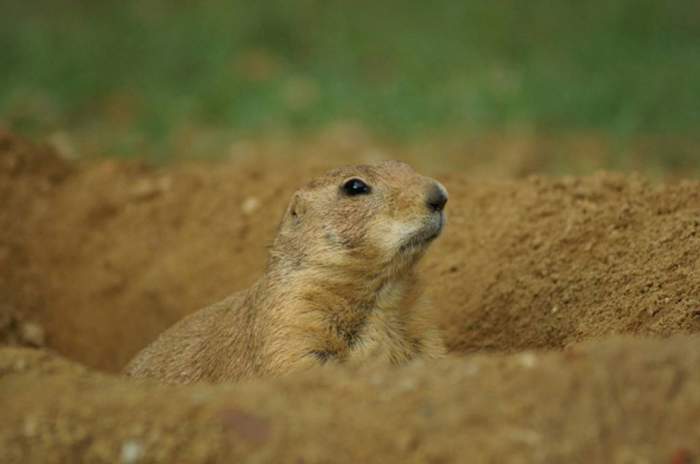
[{"x": 340, "y": 286}]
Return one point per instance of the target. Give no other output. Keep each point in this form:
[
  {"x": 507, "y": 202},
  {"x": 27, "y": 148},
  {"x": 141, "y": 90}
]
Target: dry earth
[{"x": 96, "y": 258}]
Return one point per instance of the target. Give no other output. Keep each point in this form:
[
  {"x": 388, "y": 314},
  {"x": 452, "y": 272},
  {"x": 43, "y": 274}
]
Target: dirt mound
[
  {"x": 97, "y": 258},
  {"x": 28, "y": 173},
  {"x": 616, "y": 401},
  {"x": 544, "y": 263}
]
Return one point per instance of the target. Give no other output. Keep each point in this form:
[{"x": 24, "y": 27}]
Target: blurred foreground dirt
[
  {"x": 97, "y": 258},
  {"x": 622, "y": 400}
]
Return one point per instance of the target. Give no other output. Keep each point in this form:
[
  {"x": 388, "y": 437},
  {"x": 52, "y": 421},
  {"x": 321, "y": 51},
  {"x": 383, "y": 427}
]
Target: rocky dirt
[{"x": 569, "y": 304}]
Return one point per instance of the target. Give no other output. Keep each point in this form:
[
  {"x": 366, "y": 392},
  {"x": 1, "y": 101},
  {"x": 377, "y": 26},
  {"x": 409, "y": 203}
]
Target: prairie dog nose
[{"x": 437, "y": 197}]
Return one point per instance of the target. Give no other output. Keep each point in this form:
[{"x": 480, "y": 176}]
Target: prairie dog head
[{"x": 381, "y": 216}]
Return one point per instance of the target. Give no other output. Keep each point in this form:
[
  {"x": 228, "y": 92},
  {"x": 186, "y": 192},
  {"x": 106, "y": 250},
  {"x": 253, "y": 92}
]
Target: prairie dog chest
[
  {"x": 386, "y": 333},
  {"x": 380, "y": 339}
]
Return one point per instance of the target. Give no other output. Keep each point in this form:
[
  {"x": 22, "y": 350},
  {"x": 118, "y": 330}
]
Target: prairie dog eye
[{"x": 355, "y": 186}]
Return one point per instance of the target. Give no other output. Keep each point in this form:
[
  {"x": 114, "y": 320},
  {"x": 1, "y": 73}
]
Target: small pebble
[
  {"x": 250, "y": 205},
  {"x": 145, "y": 189},
  {"x": 33, "y": 334},
  {"x": 132, "y": 451}
]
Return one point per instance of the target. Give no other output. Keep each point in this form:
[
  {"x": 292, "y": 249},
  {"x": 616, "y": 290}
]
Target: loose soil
[{"x": 569, "y": 305}]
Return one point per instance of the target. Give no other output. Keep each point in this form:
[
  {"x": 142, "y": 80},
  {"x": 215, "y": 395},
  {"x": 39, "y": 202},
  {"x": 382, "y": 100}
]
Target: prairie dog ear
[{"x": 297, "y": 208}]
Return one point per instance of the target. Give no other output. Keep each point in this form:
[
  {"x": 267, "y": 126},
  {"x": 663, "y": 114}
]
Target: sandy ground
[{"x": 557, "y": 298}]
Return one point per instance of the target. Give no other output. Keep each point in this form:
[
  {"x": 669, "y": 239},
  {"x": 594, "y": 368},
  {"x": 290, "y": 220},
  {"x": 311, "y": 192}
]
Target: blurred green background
[{"x": 137, "y": 72}]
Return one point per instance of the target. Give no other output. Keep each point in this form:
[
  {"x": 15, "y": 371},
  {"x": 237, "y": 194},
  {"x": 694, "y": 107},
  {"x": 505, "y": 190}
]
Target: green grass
[{"x": 402, "y": 67}]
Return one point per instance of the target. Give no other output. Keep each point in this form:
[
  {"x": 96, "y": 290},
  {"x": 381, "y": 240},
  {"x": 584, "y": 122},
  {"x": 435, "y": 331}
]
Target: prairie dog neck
[
  {"x": 346, "y": 286},
  {"x": 334, "y": 309}
]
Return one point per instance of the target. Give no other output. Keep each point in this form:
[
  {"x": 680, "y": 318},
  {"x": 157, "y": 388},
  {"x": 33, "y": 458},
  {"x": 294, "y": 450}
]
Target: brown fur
[{"x": 340, "y": 286}]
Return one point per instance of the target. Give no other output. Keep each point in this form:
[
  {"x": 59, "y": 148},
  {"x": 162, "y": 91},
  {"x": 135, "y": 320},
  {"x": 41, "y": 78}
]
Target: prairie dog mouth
[{"x": 426, "y": 234}]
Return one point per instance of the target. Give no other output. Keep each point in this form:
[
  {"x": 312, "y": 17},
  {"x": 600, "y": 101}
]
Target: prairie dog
[{"x": 340, "y": 286}]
